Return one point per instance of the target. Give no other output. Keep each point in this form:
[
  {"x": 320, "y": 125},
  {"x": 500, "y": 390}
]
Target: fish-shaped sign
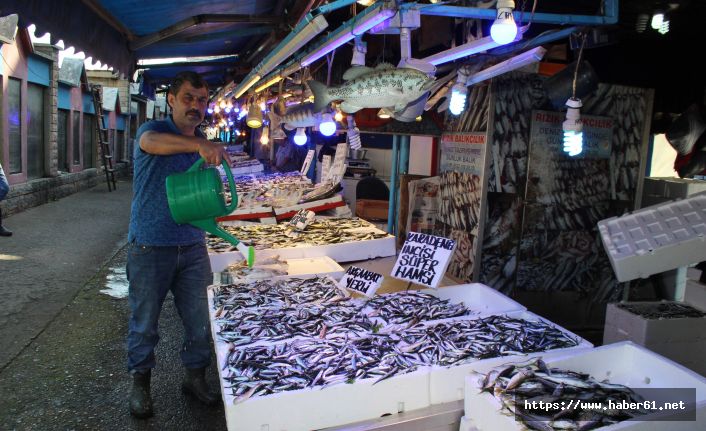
[{"x": 382, "y": 87}]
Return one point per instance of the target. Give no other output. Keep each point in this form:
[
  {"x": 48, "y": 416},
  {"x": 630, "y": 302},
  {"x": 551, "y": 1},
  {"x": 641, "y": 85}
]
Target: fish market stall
[
  {"x": 495, "y": 394},
  {"x": 342, "y": 239},
  {"x": 288, "y": 344}
]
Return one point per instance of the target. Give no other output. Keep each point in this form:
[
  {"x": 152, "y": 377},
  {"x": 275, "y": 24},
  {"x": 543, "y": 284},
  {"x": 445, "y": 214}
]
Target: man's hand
[{"x": 212, "y": 152}]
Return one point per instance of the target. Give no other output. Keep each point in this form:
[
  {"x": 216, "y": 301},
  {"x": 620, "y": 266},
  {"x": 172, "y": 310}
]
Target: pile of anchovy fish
[
  {"x": 320, "y": 232},
  {"x": 264, "y": 370},
  {"x": 413, "y": 307},
  {"x": 663, "y": 310},
  {"x": 292, "y": 334},
  {"x": 277, "y": 293},
  {"x": 249, "y": 325},
  {"x": 456, "y": 342},
  {"x": 534, "y": 381}
]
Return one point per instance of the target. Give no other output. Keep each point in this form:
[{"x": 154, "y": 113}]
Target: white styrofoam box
[
  {"x": 467, "y": 424},
  {"x": 695, "y": 294},
  {"x": 622, "y": 363},
  {"x": 478, "y": 297},
  {"x": 306, "y": 267},
  {"x": 315, "y": 408},
  {"x": 343, "y": 252},
  {"x": 657, "y": 238},
  {"x": 447, "y": 383},
  {"x": 673, "y": 188}
]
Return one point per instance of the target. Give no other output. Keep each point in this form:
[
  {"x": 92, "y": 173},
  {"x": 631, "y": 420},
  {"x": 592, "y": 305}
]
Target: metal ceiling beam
[
  {"x": 193, "y": 21},
  {"x": 186, "y": 64},
  {"x": 96, "y": 7},
  {"x": 610, "y": 16}
]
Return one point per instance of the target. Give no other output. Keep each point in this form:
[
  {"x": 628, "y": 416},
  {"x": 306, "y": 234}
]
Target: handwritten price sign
[
  {"x": 424, "y": 259},
  {"x": 361, "y": 280}
]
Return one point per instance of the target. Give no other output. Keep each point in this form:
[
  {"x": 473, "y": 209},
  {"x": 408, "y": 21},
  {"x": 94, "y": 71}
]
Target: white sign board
[
  {"x": 325, "y": 167},
  {"x": 423, "y": 259},
  {"x": 302, "y": 219},
  {"x": 339, "y": 163},
  {"x": 463, "y": 152},
  {"x": 307, "y": 162},
  {"x": 361, "y": 281}
]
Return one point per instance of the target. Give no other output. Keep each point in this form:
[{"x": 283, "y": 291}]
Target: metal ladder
[{"x": 106, "y": 154}]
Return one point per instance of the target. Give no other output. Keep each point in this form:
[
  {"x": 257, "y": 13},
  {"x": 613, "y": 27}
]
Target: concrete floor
[{"x": 62, "y": 342}]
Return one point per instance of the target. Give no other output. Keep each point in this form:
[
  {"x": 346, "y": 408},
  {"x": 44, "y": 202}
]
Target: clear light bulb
[
  {"x": 504, "y": 29},
  {"x": 327, "y": 126},
  {"x": 300, "y": 137},
  {"x": 384, "y": 114},
  {"x": 209, "y": 110},
  {"x": 573, "y": 128},
  {"x": 217, "y": 109},
  {"x": 222, "y": 104},
  {"x": 458, "y": 98},
  {"x": 418, "y": 119},
  {"x": 339, "y": 116},
  {"x": 657, "y": 20},
  {"x": 265, "y": 137}
]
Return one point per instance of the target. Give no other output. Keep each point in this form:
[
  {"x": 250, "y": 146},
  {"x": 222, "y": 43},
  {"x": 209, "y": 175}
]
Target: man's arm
[{"x": 164, "y": 144}]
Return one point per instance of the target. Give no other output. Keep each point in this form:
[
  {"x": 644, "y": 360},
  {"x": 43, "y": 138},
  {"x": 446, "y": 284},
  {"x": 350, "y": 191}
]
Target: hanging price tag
[
  {"x": 302, "y": 219},
  {"x": 307, "y": 162},
  {"x": 361, "y": 280},
  {"x": 423, "y": 259}
]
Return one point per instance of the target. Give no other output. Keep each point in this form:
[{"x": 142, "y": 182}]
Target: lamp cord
[{"x": 576, "y": 70}]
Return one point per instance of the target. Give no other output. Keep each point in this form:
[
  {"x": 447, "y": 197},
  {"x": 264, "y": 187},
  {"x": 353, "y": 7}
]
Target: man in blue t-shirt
[{"x": 164, "y": 256}]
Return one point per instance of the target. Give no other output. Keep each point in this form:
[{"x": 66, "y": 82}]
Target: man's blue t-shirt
[{"x": 151, "y": 223}]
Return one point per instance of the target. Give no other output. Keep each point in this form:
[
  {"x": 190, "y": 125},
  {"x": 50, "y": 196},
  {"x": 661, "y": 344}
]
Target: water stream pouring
[{"x": 196, "y": 197}]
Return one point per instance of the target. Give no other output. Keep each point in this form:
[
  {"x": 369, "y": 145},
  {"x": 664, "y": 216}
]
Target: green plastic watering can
[{"x": 196, "y": 197}]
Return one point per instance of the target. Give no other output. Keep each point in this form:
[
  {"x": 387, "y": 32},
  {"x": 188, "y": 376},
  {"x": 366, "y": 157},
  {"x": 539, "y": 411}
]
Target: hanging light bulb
[
  {"x": 265, "y": 137},
  {"x": 384, "y": 114},
  {"x": 657, "y": 20},
  {"x": 573, "y": 128},
  {"x": 217, "y": 109},
  {"x": 254, "y": 120},
  {"x": 229, "y": 107},
  {"x": 263, "y": 106},
  {"x": 327, "y": 127},
  {"x": 504, "y": 29},
  {"x": 664, "y": 28},
  {"x": 339, "y": 116},
  {"x": 300, "y": 136},
  {"x": 222, "y": 104},
  {"x": 235, "y": 108},
  {"x": 243, "y": 112},
  {"x": 210, "y": 109},
  {"x": 418, "y": 119}
]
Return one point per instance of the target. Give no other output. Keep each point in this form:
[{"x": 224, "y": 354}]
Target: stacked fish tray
[
  {"x": 576, "y": 389},
  {"x": 288, "y": 344},
  {"x": 341, "y": 239}
]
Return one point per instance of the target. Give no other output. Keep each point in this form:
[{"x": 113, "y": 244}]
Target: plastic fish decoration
[
  {"x": 303, "y": 115},
  {"x": 382, "y": 87}
]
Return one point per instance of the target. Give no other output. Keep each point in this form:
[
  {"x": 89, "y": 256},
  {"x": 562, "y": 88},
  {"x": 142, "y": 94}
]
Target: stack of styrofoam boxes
[
  {"x": 622, "y": 363},
  {"x": 346, "y": 403},
  {"x": 656, "y": 239},
  {"x": 682, "y": 340},
  {"x": 660, "y": 190}
]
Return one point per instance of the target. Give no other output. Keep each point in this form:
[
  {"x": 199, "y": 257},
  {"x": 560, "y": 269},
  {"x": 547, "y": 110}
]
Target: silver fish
[{"x": 382, "y": 87}]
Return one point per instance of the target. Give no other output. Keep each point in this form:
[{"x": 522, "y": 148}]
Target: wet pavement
[{"x": 70, "y": 373}]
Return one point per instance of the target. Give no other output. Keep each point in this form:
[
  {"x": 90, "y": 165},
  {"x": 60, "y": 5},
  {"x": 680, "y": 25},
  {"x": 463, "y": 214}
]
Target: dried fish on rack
[
  {"x": 663, "y": 310},
  {"x": 320, "y": 232},
  {"x": 456, "y": 342},
  {"x": 516, "y": 384},
  {"x": 413, "y": 307}
]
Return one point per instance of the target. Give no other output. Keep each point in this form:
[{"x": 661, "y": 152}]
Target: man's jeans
[
  {"x": 152, "y": 272},
  {"x": 4, "y": 186}
]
